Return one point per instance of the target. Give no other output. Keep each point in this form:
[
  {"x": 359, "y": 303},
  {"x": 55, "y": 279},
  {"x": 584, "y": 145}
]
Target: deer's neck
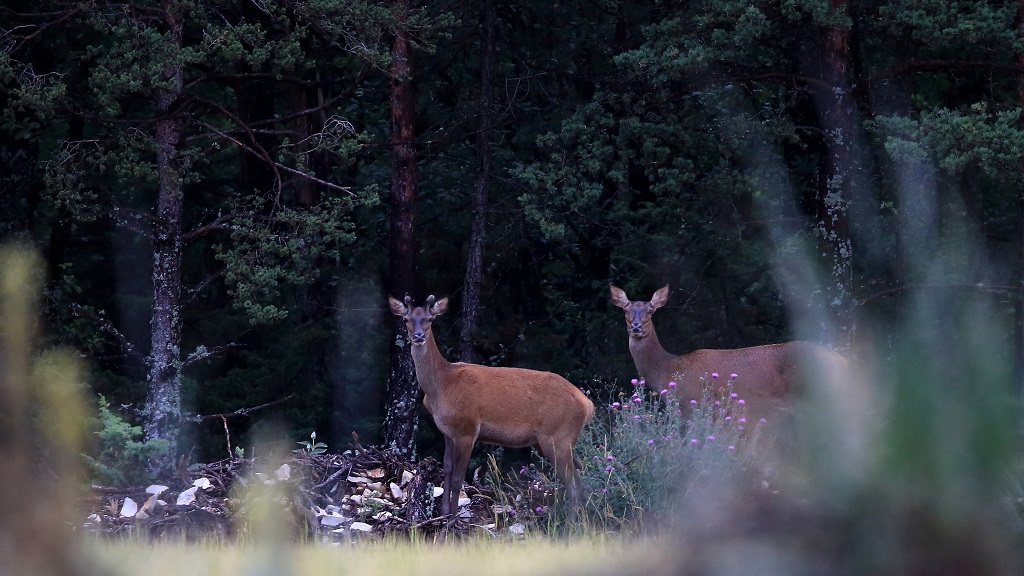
[
  {"x": 652, "y": 361},
  {"x": 431, "y": 366}
]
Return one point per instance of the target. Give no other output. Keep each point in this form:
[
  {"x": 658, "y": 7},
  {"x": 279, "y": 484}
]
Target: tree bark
[
  {"x": 836, "y": 173},
  {"x": 401, "y": 420},
  {"x": 478, "y": 233},
  {"x": 163, "y": 401},
  {"x": 1018, "y": 307}
]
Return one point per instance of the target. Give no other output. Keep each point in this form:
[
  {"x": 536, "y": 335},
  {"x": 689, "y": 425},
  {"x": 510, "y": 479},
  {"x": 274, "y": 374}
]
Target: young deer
[
  {"x": 511, "y": 407},
  {"x": 767, "y": 375}
]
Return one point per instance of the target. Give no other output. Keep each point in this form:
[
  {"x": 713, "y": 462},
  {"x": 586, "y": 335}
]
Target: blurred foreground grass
[{"x": 535, "y": 557}]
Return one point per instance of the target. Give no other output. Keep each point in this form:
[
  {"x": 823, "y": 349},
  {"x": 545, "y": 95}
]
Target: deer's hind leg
[{"x": 561, "y": 458}]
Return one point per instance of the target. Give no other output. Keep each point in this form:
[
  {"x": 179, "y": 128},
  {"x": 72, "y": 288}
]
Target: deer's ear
[
  {"x": 439, "y": 307},
  {"x": 660, "y": 297},
  {"x": 397, "y": 307},
  {"x": 619, "y": 297}
]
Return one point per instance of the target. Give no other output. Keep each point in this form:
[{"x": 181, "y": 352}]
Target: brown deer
[
  {"x": 766, "y": 378},
  {"x": 511, "y": 407}
]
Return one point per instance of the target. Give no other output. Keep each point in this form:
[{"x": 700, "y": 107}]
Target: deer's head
[
  {"x": 418, "y": 319},
  {"x": 638, "y": 314}
]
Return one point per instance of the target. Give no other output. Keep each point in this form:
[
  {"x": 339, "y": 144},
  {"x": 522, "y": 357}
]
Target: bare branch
[
  {"x": 278, "y": 165},
  {"x": 240, "y": 411},
  {"x": 202, "y": 353},
  {"x": 108, "y": 328},
  {"x": 217, "y": 224}
]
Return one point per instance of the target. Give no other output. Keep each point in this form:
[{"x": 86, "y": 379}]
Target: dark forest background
[{"x": 226, "y": 192}]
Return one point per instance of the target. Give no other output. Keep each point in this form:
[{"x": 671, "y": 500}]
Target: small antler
[
  {"x": 430, "y": 302},
  {"x": 408, "y": 301}
]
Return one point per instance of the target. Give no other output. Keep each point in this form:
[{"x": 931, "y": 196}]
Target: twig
[
  {"x": 227, "y": 435},
  {"x": 106, "y": 326},
  {"x": 202, "y": 353},
  {"x": 333, "y": 477},
  {"x": 240, "y": 411}
]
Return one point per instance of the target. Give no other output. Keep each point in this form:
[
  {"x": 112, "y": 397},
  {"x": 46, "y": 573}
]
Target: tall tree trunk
[
  {"x": 400, "y": 422},
  {"x": 478, "y": 234},
  {"x": 836, "y": 174},
  {"x": 163, "y": 401},
  {"x": 1019, "y": 301}
]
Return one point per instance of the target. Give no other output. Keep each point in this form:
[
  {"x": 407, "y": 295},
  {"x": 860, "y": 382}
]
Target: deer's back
[
  {"x": 764, "y": 374},
  {"x": 509, "y": 406}
]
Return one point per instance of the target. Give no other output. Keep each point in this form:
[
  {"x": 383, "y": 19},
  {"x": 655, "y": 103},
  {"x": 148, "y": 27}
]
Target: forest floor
[{"x": 363, "y": 493}]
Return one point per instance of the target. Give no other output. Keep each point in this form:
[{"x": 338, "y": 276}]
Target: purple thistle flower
[
  {"x": 522, "y": 470},
  {"x": 607, "y": 468},
  {"x": 711, "y": 437},
  {"x": 743, "y": 420},
  {"x": 694, "y": 441},
  {"x": 609, "y": 458},
  {"x": 740, "y": 427},
  {"x": 763, "y": 421},
  {"x": 728, "y": 418},
  {"x": 731, "y": 448},
  {"x": 693, "y": 402},
  {"x": 633, "y": 381},
  {"x": 741, "y": 401},
  {"x": 650, "y": 442},
  {"x": 714, "y": 374},
  {"x": 671, "y": 384},
  {"x": 539, "y": 509},
  {"x": 717, "y": 403},
  {"x": 734, "y": 395},
  {"x": 663, "y": 392},
  {"x": 733, "y": 376},
  {"x": 615, "y": 404}
]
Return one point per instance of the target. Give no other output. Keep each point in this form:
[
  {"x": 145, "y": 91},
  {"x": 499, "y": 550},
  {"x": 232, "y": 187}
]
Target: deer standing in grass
[
  {"x": 767, "y": 376},
  {"x": 511, "y": 407}
]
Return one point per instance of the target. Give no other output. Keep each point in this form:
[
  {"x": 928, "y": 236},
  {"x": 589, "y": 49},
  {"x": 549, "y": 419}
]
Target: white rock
[
  {"x": 155, "y": 489},
  {"x": 283, "y": 473},
  {"x": 358, "y": 480},
  {"x": 332, "y": 520},
  {"x": 361, "y": 527},
  {"x": 517, "y": 528},
  {"x": 406, "y": 477},
  {"x": 129, "y": 509},
  {"x": 438, "y": 491},
  {"x": 187, "y": 497},
  {"x": 203, "y": 483},
  {"x": 397, "y": 492},
  {"x": 464, "y": 501}
]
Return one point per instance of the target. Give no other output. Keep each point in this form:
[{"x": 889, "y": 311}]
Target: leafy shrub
[
  {"x": 649, "y": 447},
  {"x": 121, "y": 453}
]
